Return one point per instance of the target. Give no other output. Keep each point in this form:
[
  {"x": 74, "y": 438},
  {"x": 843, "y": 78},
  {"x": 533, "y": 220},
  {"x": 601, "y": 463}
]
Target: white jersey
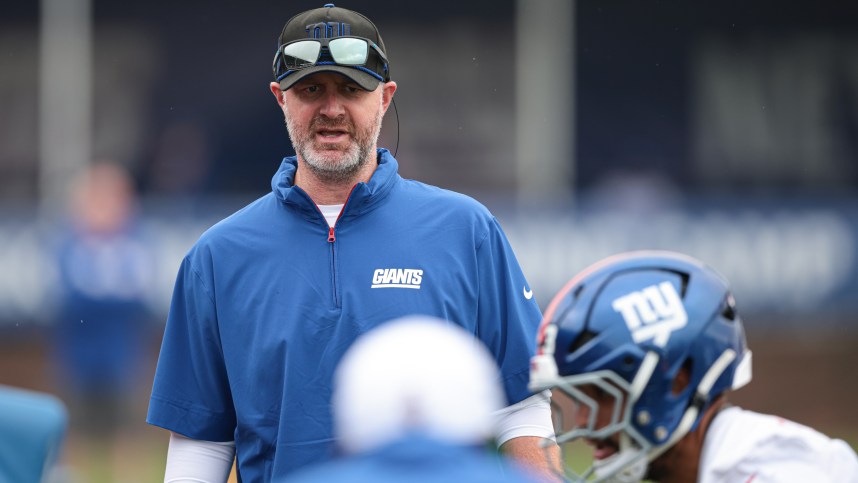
[{"x": 747, "y": 447}]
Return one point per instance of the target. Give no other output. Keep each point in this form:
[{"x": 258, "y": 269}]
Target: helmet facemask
[{"x": 600, "y": 410}]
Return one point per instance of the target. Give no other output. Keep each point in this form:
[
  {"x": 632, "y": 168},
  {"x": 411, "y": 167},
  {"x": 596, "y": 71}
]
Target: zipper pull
[{"x": 331, "y": 237}]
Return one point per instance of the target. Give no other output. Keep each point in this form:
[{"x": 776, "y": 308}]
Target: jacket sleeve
[
  {"x": 191, "y": 394},
  {"x": 507, "y": 314}
]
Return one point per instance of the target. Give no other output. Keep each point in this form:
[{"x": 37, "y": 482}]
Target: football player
[{"x": 646, "y": 348}]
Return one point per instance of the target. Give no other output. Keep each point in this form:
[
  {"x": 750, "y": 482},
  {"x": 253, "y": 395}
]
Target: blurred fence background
[{"x": 725, "y": 130}]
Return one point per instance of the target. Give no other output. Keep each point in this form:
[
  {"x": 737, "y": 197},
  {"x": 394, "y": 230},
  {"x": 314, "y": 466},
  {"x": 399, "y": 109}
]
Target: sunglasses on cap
[{"x": 347, "y": 51}]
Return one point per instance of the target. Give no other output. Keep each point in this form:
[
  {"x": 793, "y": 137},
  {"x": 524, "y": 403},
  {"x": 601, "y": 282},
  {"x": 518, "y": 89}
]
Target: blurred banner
[{"x": 787, "y": 259}]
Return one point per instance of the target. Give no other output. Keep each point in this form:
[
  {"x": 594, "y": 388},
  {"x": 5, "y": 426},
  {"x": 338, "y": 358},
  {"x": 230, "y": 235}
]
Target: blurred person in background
[
  {"x": 32, "y": 429},
  {"x": 645, "y": 348},
  {"x": 269, "y": 299},
  {"x": 415, "y": 400},
  {"x": 101, "y": 333}
]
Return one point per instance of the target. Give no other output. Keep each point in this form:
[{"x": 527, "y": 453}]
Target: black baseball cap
[{"x": 328, "y": 22}]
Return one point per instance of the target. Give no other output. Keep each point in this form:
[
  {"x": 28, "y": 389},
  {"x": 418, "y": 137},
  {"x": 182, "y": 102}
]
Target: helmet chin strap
[
  {"x": 632, "y": 462},
  {"x": 701, "y": 397}
]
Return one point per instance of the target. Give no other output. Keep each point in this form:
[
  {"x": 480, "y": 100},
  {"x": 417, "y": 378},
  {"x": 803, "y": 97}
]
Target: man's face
[
  {"x": 334, "y": 124},
  {"x": 602, "y": 448}
]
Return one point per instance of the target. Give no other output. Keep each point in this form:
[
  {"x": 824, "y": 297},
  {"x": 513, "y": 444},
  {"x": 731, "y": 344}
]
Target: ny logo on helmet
[{"x": 652, "y": 313}]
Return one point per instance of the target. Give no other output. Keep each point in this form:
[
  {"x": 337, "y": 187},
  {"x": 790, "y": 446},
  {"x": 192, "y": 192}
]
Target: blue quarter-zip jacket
[{"x": 269, "y": 299}]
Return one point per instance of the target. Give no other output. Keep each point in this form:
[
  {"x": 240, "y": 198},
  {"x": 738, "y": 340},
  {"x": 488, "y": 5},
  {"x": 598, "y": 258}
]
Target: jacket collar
[{"x": 363, "y": 198}]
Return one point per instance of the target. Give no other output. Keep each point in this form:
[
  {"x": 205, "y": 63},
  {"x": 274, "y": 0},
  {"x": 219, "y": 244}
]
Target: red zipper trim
[{"x": 331, "y": 236}]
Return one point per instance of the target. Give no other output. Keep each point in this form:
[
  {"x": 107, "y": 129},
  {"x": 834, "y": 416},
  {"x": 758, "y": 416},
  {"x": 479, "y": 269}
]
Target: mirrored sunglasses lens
[
  {"x": 347, "y": 51},
  {"x": 301, "y": 54}
]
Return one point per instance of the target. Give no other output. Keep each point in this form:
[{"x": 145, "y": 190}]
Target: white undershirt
[
  {"x": 529, "y": 417},
  {"x": 197, "y": 461},
  {"x": 331, "y": 213}
]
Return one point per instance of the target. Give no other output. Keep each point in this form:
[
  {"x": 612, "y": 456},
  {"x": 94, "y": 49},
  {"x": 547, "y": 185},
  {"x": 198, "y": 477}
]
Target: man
[
  {"x": 402, "y": 413},
  {"x": 269, "y": 299},
  {"x": 101, "y": 329},
  {"x": 648, "y": 345}
]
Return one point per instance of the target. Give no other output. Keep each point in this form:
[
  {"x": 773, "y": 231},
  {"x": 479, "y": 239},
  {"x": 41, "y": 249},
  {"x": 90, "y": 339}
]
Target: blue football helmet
[{"x": 622, "y": 330}]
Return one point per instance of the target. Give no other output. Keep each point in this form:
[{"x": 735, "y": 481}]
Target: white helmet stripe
[
  {"x": 643, "y": 375},
  {"x": 715, "y": 370}
]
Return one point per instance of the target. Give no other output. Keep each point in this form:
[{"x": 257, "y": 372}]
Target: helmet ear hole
[
  {"x": 682, "y": 379},
  {"x": 629, "y": 361}
]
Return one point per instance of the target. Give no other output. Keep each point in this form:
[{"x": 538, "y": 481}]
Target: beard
[{"x": 329, "y": 162}]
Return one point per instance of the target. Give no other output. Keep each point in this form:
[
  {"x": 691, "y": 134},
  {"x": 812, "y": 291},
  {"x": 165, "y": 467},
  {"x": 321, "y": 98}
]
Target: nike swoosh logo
[{"x": 528, "y": 294}]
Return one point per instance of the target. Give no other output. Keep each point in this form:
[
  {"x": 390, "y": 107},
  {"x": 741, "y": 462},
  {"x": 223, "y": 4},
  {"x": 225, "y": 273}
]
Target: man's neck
[
  {"x": 681, "y": 463},
  {"x": 326, "y": 192}
]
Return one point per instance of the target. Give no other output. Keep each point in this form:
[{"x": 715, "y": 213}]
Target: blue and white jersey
[
  {"x": 743, "y": 445},
  {"x": 269, "y": 299}
]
